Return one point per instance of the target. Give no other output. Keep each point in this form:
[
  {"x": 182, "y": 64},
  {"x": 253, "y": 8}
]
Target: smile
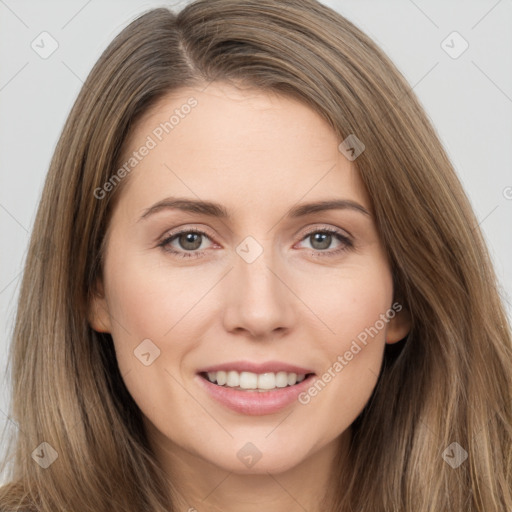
[
  {"x": 249, "y": 381},
  {"x": 274, "y": 395}
]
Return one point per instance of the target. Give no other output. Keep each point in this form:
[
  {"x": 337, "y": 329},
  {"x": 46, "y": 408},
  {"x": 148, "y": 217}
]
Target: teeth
[
  {"x": 259, "y": 382},
  {"x": 248, "y": 380},
  {"x": 233, "y": 379}
]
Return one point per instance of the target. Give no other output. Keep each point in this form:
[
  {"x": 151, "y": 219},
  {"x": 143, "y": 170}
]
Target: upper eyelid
[
  {"x": 173, "y": 233},
  {"x": 330, "y": 229}
]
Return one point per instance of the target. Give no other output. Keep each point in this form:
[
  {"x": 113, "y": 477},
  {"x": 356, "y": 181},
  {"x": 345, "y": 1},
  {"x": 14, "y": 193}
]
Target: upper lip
[{"x": 249, "y": 366}]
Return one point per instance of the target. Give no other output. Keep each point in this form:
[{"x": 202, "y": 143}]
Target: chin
[{"x": 248, "y": 459}]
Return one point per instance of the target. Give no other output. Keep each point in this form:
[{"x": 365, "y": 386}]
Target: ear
[
  {"x": 399, "y": 326},
  {"x": 98, "y": 313}
]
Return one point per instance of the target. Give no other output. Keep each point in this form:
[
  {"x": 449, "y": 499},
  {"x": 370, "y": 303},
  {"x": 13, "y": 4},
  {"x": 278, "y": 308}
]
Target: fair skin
[{"x": 259, "y": 155}]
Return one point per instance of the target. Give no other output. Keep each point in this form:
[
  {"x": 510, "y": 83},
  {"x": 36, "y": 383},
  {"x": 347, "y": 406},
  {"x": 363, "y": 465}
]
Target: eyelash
[{"x": 346, "y": 243}]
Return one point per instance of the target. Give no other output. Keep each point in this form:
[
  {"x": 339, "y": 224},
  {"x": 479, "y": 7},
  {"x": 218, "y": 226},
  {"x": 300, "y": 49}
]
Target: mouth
[
  {"x": 255, "y": 394},
  {"x": 255, "y": 388},
  {"x": 255, "y": 382}
]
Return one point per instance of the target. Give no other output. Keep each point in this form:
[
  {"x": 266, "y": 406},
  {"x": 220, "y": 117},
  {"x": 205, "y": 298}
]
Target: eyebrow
[{"x": 213, "y": 209}]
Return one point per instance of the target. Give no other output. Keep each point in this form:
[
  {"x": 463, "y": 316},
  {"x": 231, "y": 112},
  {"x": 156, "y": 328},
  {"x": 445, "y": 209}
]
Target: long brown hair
[{"x": 451, "y": 380}]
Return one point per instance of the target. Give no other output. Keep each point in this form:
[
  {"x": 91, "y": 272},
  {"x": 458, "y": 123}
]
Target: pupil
[
  {"x": 190, "y": 241},
  {"x": 323, "y": 238}
]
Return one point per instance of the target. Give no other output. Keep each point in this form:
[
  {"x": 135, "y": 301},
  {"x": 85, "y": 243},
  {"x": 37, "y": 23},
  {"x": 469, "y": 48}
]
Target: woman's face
[{"x": 256, "y": 288}]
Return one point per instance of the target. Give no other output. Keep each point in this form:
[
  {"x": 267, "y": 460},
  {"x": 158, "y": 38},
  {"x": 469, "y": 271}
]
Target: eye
[
  {"x": 322, "y": 239},
  {"x": 188, "y": 243},
  {"x": 185, "y": 243}
]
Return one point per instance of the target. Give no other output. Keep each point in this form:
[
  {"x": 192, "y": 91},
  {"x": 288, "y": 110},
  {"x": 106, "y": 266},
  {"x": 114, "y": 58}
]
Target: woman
[{"x": 255, "y": 282}]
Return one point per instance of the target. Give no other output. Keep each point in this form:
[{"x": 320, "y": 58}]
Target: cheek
[
  {"x": 347, "y": 301},
  {"x": 148, "y": 300},
  {"x": 155, "y": 310},
  {"x": 355, "y": 305}
]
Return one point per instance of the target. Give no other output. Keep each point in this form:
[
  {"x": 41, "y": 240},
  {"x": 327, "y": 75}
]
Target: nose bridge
[{"x": 258, "y": 301}]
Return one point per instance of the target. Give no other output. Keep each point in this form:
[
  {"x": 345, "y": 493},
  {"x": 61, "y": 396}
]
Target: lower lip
[{"x": 255, "y": 403}]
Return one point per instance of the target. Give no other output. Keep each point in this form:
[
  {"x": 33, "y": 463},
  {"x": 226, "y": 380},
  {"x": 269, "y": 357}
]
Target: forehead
[{"x": 237, "y": 145}]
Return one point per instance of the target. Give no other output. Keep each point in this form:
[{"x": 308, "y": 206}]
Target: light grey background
[{"x": 469, "y": 100}]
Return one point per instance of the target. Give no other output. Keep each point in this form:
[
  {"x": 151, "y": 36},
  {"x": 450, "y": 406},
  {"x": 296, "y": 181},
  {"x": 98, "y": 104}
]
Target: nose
[{"x": 259, "y": 300}]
